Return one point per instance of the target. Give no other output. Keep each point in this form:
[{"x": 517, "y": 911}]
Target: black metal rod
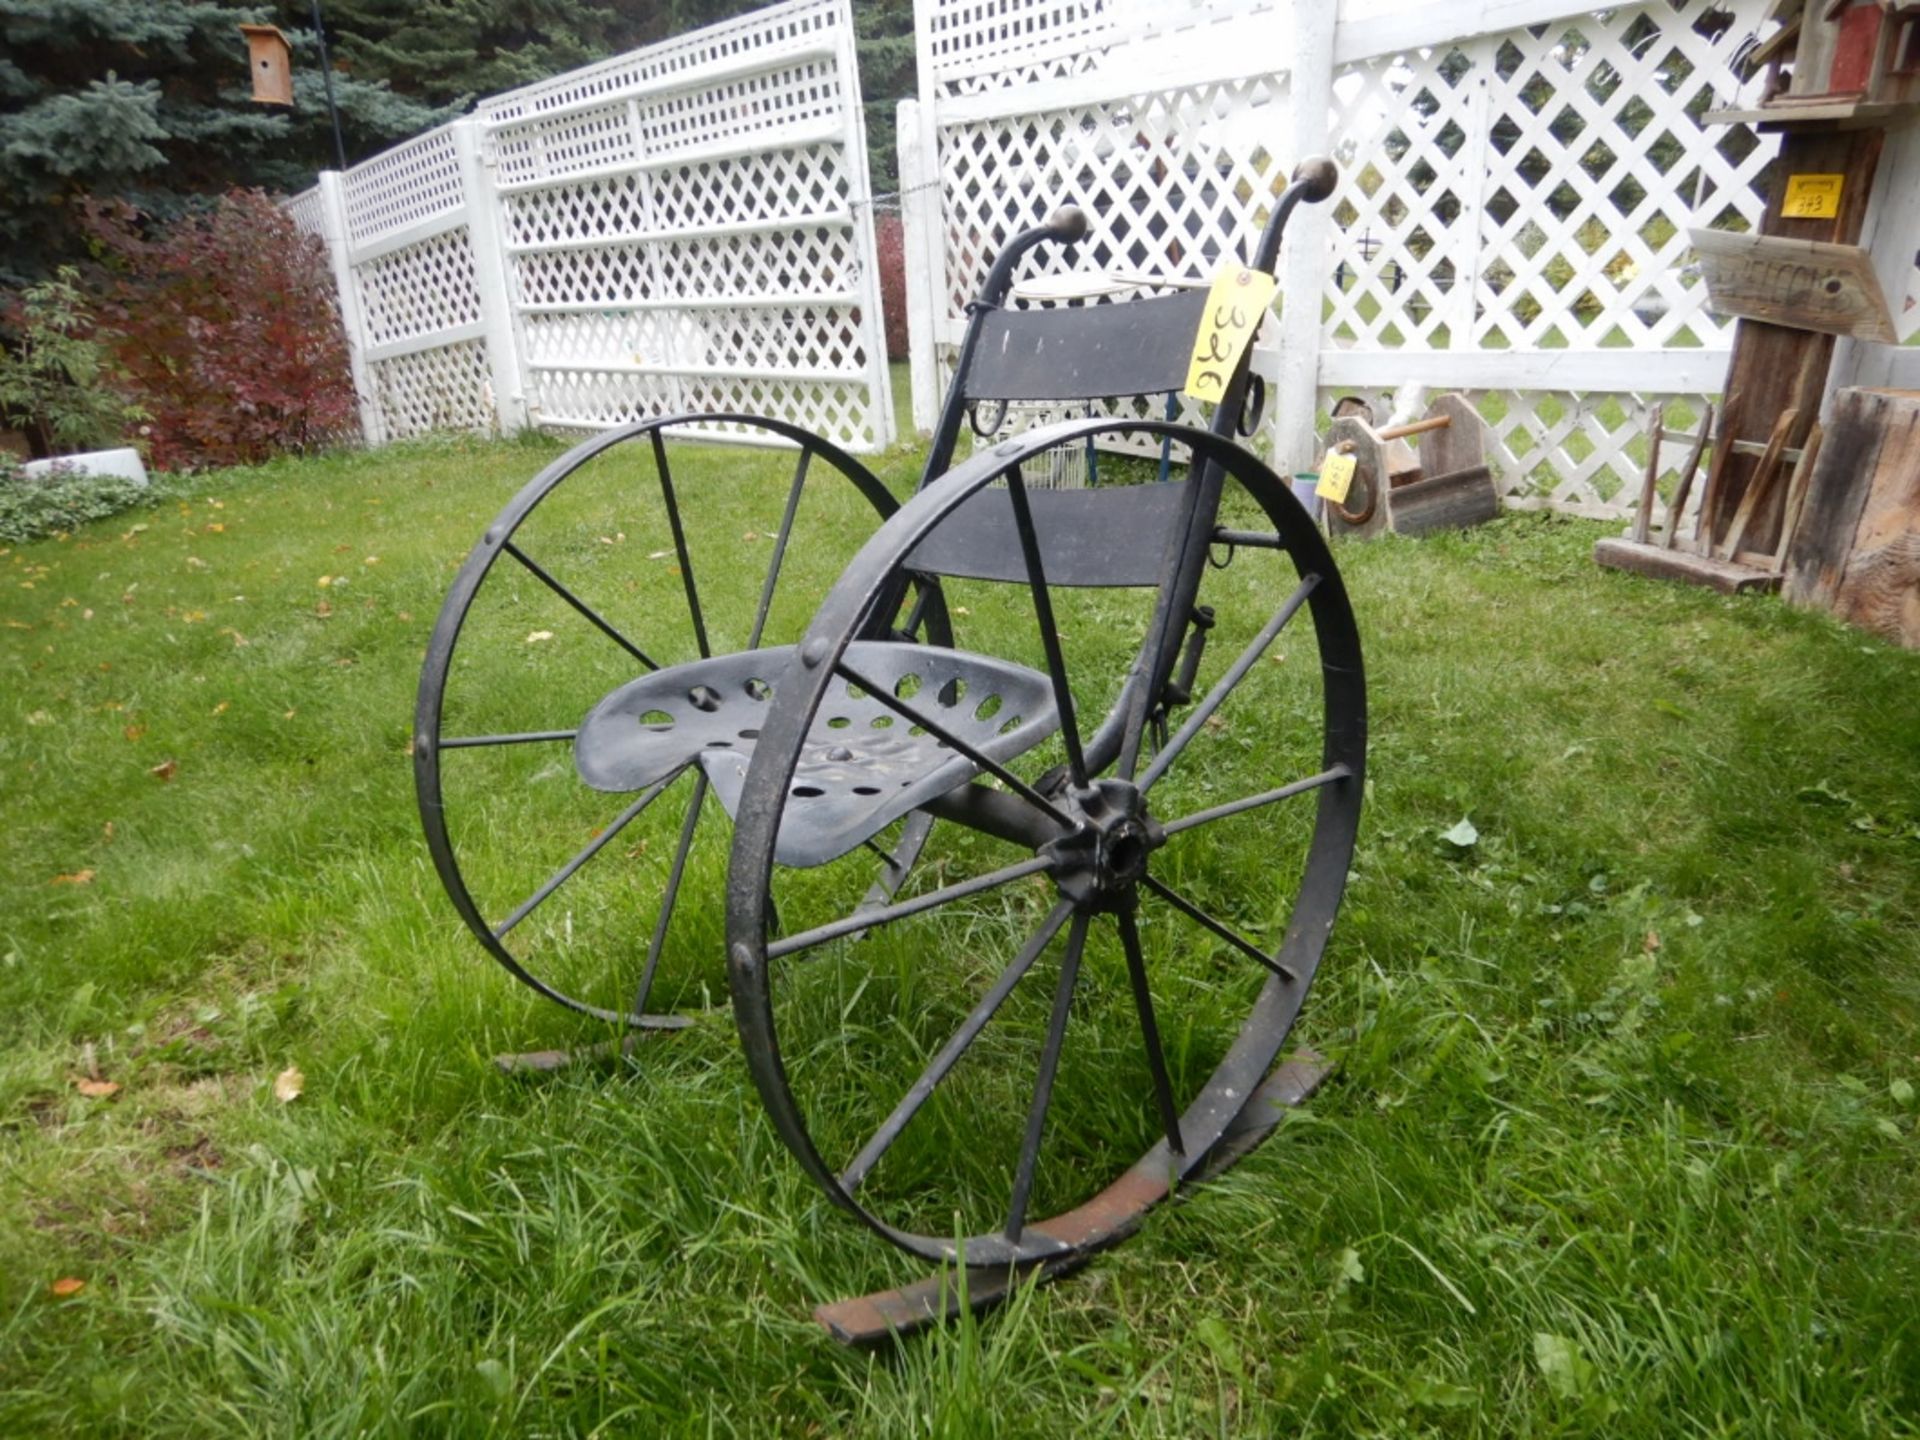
[
  {"x": 680, "y": 545},
  {"x": 326, "y": 76},
  {"x": 519, "y": 737},
  {"x": 954, "y": 742},
  {"x": 1049, "y": 632},
  {"x": 592, "y": 615},
  {"x": 1248, "y": 539},
  {"x": 1206, "y": 922},
  {"x": 955, "y": 1047},
  {"x": 932, "y": 900},
  {"x": 779, "y": 550},
  {"x": 1043, "y": 1082},
  {"x": 659, "y": 940},
  {"x": 593, "y": 847},
  {"x": 1224, "y": 686},
  {"x": 1254, "y": 802},
  {"x": 1150, "y": 1032}
]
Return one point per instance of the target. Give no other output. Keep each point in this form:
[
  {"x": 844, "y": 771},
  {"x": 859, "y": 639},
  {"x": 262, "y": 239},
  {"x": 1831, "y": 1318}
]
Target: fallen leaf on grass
[
  {"x": 534, "y": 636},
  {"x": 165, "y": 770},
  {"x": 1652, "y": 942},
  {"x": 288, "y": 1085},
  {"x": 78, "y": 877},
  {"x": 66, "y": 1286},
  {"x": 221, "y": 708},
  {"x": 106, "y": 832},
  {"x": 325, "y": 581},
  {"x": 97, "y": 1089},
  {"x": 323, "y": 609},
  {"x": 1464, "y": 836},
  {"x": 39, "y": 717},
  {"x": 134, "y": 732}
]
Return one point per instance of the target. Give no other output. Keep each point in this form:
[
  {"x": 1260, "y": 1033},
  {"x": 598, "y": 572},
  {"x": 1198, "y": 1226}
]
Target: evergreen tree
[
  {"x": 455, "y": 51},
  {"x": 148, "y": 101}
]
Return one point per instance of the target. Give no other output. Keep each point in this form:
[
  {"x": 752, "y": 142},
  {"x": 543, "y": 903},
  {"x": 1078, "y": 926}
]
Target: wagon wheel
[
  {"x": 608, "y": 566},
  {"x": 1062, "y": 1018}
]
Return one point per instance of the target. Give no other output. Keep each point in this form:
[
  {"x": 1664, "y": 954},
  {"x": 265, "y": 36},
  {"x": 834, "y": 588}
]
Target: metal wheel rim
[
  {"x": 441, "y": 646},
  {"x": 1117, "y": 1209}
]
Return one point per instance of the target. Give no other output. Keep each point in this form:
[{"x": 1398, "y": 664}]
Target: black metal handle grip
[
  {"x": 1067, "y": 225},
  {"x": 1316, "y": 176}
]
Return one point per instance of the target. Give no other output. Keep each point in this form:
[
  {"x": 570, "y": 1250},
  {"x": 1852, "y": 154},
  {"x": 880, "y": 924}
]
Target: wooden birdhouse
[
  {"x": 270, "y": 61},
  {"x": 1842, "y": 59}
]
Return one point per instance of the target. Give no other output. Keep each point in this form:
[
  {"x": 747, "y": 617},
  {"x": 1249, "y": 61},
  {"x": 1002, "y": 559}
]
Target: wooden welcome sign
[{"x": 1801, "y": 284}]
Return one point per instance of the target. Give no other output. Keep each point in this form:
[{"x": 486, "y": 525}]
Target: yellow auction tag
[
  {"x": 1236, "y": 305},
  {"x": 1812, "y": 197},
  {"x": 1336, "y": 477}
]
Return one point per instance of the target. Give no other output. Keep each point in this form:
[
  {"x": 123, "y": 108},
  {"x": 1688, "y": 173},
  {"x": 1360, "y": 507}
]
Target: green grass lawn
[{"x": 1622, "y": 1138}]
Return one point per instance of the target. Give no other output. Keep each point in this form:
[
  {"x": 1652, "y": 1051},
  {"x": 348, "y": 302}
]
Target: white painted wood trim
[
  {"x": 920, "y": 223},
  {"x": 1360, "y": 36},
  {"x": 485, "y": 228},
  {"x": 333, "y": 213},
  {"x": 1303, "y": 259},
  {"x": 1695, "y": 372}
]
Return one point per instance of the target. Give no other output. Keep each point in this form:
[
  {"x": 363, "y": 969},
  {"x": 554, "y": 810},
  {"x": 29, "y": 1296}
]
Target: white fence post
[
  {"x": 920, "y": 255},
  {"x": 1303, "y": 275},
  {"x": 491, "y": 279},
  {"x": 333, "y": 216}
]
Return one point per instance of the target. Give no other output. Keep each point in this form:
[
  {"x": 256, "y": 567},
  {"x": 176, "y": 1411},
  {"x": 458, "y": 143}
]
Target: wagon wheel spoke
[
  {"x": 1206, "y": 922},
  {"x": 658, "y": 943},
  {"x": 517, "y": 737},
  {"x": 887, "y": 914},
  {"x": 913, "y": 716},
  {"x": 1049, "y": 631},
  {"x": 779, "y": 548},
  {"x": 592, "y": 848},
  {"x": 955, "y": 1047},
  {"x": 1150, "y": 1032},
  {"x": 1227, "y": 683},
  {"x": 1043, "y": 1083},
  {"x": 680, "y": 544},
  {"x": 593, "y": 616},
  {"x": 1329, "y": 776}
]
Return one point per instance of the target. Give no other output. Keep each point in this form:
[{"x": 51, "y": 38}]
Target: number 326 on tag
[{"x": 1236, "y": 304}]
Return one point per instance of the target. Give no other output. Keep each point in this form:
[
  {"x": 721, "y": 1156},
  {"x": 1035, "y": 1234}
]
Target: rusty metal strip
[{"x": 1106, "y": 1219}]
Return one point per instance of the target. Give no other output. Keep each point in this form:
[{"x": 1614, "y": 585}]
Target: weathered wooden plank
[
  {"x": 1662, "y": 564},
  {"x": 1446, "y": 502},
  {"x": 1856, "y": 551},
  {"x": 1775, "y": 367},
  {"x": 1801, "y": 284}
]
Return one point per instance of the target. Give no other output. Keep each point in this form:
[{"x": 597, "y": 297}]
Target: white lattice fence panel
[
  {"x": 1529, "y": 192},
  {"x": 688, "y": 228},
  {"x": 405, "y": 186},
  {"x": 1581, "y": 453},
  {"x": 446, "y": 387},
  {"x": 1532, "y": 189},
  {"x": 307, "y": 212},
  {"x": 420, "y": 290}
]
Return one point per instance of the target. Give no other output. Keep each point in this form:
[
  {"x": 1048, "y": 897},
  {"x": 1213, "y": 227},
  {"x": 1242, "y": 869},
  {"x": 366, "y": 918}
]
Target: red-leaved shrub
[
  {"x": 226, "y": 326},
  {"x": 889, "y": 244}
]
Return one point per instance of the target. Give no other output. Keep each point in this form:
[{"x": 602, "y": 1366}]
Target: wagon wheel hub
[{"x": 1099, "y": 862}]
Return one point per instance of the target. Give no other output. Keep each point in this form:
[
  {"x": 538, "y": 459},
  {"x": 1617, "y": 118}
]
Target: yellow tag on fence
[
  {"x": 1236, "y": 305},
  {"x": 1336, "y": 477},
  {"x": 1812, "y": 197}
]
